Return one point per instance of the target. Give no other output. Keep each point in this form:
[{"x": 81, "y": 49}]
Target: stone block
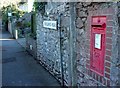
[
  {"x": 79, "y": 23},
  {"x": 65, "y": 21},
  {"x": 82, "y": 14},
  {"x": 79, "y": 5},
  {"x": 86, "y": 4}
]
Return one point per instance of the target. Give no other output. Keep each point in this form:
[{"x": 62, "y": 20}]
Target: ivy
[{"x": 40, "y": 7}]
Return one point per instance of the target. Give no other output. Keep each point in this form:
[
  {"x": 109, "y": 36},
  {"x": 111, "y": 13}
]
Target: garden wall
[
  {"x": 53, "y": 48},
  {"x": 85, "y": 12},
  {"x": 50, "y": 49}
]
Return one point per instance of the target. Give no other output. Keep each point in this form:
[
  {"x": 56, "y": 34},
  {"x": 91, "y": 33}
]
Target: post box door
[{"x": 97, "y": 62}]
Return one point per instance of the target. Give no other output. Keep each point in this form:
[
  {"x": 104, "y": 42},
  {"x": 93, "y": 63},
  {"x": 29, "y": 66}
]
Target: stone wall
[
  {"x": 50, "y": 49},
  {"x": 31, "y": 46},
  {"x": 85, "y": 11},
  {"x": 48, "y": 40},
  {"x": 31, "y": 42},
  {"x": 118, "y": 65}
]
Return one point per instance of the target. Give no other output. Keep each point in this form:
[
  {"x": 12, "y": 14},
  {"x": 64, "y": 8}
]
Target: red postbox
[{"x": 97, "y": 44}]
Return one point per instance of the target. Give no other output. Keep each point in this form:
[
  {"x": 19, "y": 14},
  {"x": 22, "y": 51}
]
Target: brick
[
  {"x": 87, "y": 66},
  {"x": 105, "y": 11},
  {"x": 108, "y": 40},
  {"x": 107, "y": 70},
  {"x": 87, "y": 51},
  {"x": 94, "y": 13},
  {"x": 87, "y": 61},
  {"x": 111, "y": 11},
  {"x": 90, "y": 13},
  {"x": 108, "y": 53},
  {"x": 90, "y": 73},
  {"x": 108, "y": 46},
  {"x": 107, "y": 64},
  {"x": 110, "y": 23},
  {"x": 108, "y": 11},
  {"x": 104, "y": 81},
  {"x": 88, "y": 35},
  {"x": 109, "y": 29},
  {"x": 87, "y": 71},
  {"x": 93, "y": 75},
  {"x": 108, "y": 58},
  {"x": 101, "y": 79},
  {"x": 108, "y": 82},
  {"x": 99, "y": 12},
  {"x": 109, "y": 17},
  {"x": 88, "y": 41},
  {"x": 107, "y": 75},
  {"x": 109, "y": 35},
  {"x": 96, "y": 76},
  {"x": 88, "y": 45}
]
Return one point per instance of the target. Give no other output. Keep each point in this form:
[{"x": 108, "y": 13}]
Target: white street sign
[{"x": 50, "y": 24}]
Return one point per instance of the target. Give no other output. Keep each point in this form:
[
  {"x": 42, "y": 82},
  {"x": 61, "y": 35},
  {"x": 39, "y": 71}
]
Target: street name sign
[{"x": 50, "y": 24}]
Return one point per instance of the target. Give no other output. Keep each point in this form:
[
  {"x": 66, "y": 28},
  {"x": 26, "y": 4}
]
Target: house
[{"x": 26, "y": 6}]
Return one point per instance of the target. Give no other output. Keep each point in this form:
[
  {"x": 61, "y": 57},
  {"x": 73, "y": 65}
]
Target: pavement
[
  {"x": 22, "y": 42},
  {"x": 19, "y": 68},
  {"x": 0, "y": 60}
]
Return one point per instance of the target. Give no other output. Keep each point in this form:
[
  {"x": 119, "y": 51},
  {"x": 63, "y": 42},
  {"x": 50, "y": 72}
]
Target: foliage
[
  {"x": 28, "y": 24},
  {"x": 33, "y": 22},
  {"x": 40, "y": 6},
  {"x": 11, "y": 8},
  {"x": 32, "y": 35},
  {"x": 21, "y": 3},
  {"x": 4, "y": 14},
  {"x": 18, "y": 24},
  {"x": 23, "y": 24},
  {"x": 33, "y": 25}
]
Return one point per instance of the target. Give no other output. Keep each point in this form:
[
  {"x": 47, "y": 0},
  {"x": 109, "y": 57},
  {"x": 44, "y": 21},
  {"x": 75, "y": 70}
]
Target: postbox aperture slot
[
  {"x": 99, "y": 25},
  {"x": 96, "y": 25}
]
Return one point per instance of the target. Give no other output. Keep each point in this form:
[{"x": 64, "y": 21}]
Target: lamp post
[
  {"x": 9, "y": 14},
  {"x": 10, "y": 19}
]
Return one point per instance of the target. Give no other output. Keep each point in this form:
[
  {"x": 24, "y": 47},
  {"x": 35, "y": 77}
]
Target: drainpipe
[
  {"x": 72, "y": 46},
  {"x": 61, "y": 58}
]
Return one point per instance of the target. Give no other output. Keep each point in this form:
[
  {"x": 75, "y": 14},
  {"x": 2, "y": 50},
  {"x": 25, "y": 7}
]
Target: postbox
[{"x": 97, "y": 44}]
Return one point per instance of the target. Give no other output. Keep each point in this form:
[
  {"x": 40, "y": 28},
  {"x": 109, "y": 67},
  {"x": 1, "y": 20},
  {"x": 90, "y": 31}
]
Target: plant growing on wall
[
  {"x": 33, "y": 24},
  {"x": 40, "y": 7},
  {"x": 28, "y": 24},
  {"x": 18, "y": 24}
]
